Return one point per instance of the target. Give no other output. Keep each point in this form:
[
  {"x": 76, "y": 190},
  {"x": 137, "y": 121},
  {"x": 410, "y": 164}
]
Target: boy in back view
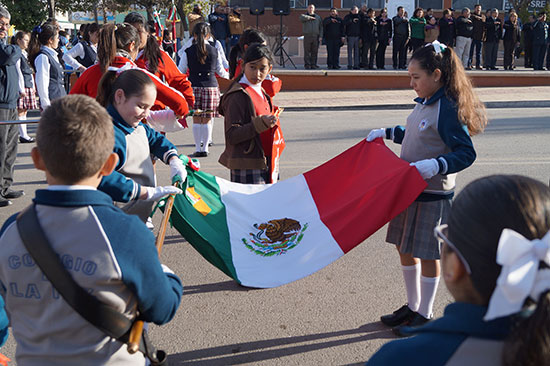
[{"x": 107, "y": 252}]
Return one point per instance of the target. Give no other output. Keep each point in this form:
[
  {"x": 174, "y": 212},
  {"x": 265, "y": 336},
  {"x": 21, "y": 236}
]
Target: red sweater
[
  {"x": 169, "y": 72},
  {"x": 88, "y": 82}
]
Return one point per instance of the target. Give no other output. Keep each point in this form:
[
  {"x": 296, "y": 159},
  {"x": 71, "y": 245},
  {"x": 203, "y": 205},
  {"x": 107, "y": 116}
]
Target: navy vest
[
  {"x": 89, "y": 55},
  {"x": 56, "y": 86},
  {"x": 27, "y": 72},
  {"x": 202, "y": 75}
]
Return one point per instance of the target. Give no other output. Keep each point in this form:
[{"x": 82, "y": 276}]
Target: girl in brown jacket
[{"x": 248, "y": 111}]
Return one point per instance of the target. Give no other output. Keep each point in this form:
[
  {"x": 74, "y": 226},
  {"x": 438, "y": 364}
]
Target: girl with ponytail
[
  {"x": 117, "y": 48},
  {"x": 496, "y": 265},
  {"x": 436, "y": 140}
]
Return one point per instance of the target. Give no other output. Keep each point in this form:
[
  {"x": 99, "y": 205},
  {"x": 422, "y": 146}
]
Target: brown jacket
[
  {"x": 193, "y": 19},
  {"x": 243, "y": 147},
  {"x": 236, "y": 24}
]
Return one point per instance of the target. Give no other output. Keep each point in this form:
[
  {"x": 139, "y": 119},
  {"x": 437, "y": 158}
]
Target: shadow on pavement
[
  {"x": 229, "y": 285},
  {"x": 256, "y": 351}
]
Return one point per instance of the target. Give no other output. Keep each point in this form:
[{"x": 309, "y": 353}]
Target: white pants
[{"x": 462, "y": 49}]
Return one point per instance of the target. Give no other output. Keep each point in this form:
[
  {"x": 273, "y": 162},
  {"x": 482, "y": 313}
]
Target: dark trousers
[
  {"x": 477, "y": 46},
  {"x": 399, "y": 55},
  {"x": 368, "y": 50},
  {"x": 528, "y": 49},
  {"x": 509, "y": 48},
  {"x": 491, "y": 54},
  {"x": 539, "y": 50},
  {"x": 8, "y": 148},
  {"x": 333, "y": 52},
  {"x": 548, "y": 57},
  {"x": 311, "y": 49},
  {"x": 381, "y": 54}
]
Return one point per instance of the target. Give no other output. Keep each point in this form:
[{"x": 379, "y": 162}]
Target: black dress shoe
[
  {"x": 315, "y": 67},
  {"x": 398, "y": 317},
  {"x": 25, "y": 140},
  {"x": 4, "y": 202},
  {"x": 417, "y": 320},
  {"x": 10, "y": 194}
]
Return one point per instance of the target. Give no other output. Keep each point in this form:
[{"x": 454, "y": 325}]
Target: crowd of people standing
[{"x": 474, "y": 35}]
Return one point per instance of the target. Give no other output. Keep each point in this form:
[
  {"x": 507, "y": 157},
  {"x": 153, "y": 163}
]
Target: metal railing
[{"x": 20, "y": 122}]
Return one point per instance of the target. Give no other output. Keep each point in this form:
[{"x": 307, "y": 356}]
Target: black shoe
[
  {"x": 4, "y": 202},
  {"x": 479, "y": 68},
  {"x": 417, "y": 320},
  {"x": 337, "y": 67},
  {"x": 10, "y": 194},
  {"x": 315, "y": 67},
  {"x": 356, "y": 68},
  {"x": 400, "y": 316},
  {"x": 210, "y": 143},
  {"x": 25, "y": 140},
  {"x": 307, "y": 67},
  {"x": 350, "y": 67}
]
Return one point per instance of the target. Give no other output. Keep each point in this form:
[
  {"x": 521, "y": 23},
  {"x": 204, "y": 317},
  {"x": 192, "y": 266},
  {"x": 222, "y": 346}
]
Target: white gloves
[
  {"x": 177, "y": 168},
  {"x": 376, "y": 133},
  {"x": 155, "y": 193},
  {"x": 427, "y": 167}
]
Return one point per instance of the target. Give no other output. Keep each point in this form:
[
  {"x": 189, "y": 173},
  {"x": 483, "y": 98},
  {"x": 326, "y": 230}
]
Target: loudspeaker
[
  {"x": 281, "y": 7},
  {"x": 257, "y": 7}
]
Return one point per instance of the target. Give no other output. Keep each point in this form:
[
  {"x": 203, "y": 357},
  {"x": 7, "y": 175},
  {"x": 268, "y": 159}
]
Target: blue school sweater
[
  {"x": 107, "y": 252},
  {"x": 460, "y": 337}
]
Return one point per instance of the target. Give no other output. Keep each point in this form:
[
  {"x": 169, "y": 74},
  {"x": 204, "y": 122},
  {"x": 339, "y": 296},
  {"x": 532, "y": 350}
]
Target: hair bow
[
  {"x": 520, "y": 276},
  {"x": 37, "y": 29},
  {"x": 127, "y": 66},
  {"x": 438, "y": 47}
]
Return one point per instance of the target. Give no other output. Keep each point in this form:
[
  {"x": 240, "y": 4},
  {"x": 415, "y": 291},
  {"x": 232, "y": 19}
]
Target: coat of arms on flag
[{"x": 275, "y": 237}]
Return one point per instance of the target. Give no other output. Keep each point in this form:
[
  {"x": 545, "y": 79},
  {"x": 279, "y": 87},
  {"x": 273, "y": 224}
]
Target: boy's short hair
[{"x": 75, "y": 137}]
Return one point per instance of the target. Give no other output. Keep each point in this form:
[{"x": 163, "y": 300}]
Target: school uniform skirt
[
  {"x": 28, "y": 102},
  {"x": 413, "y": 229},
  {"x": 207, "y": 99},
  {"x": 249, "y": 176}
]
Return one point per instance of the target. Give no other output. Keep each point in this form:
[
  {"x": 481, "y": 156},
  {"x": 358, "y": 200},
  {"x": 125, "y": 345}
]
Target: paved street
[{"x": 331, "y": 317}]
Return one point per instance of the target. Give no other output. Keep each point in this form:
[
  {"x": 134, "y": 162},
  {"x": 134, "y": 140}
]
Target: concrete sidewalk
[{"x": 504, "y": 97}]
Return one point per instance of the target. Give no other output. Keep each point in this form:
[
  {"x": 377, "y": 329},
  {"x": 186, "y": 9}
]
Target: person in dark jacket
[
  {"x": 511, "y": 40},
  {"x": 9, "y": 93},
  {"x": 527, "y": 31},
  {"x": 368, "y": 39},
  {"x": 352, "y": 29},
  {"x": 400, "y": 38},
  {"x": 447, "y": 31},
  {"x": 220, "y": 25},
  {"x": 540, "y": 40},
  {"x": 333, "y": 31},
  {"x": 383, "y": 34},
  {"x": 464, "y": 34},
  {"x": 478, "y": 36},
  {"x": 493, "y": 28}
]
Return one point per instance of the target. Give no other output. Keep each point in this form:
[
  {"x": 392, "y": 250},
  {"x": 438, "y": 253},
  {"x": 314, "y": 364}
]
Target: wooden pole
[{"x": 137, "y": 328}]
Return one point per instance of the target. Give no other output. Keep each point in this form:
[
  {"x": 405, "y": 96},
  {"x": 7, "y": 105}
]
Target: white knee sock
[
  {"x": 428, "y": 289},
  {"x": 204, "y": 137},
  {"x": 411, "y": 274},
  {"x": 23, "y": 128},
  {"x": 197, "y": 135},
  {"x": 210, "y": 126}
]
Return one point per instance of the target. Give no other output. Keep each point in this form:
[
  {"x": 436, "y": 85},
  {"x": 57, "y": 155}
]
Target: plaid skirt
[
  {"x": 249, "y": 176},
  {"x": 28, "y": 102},
  {"x": 207, "y": 99},
  {"x": 413, "y": 229}
]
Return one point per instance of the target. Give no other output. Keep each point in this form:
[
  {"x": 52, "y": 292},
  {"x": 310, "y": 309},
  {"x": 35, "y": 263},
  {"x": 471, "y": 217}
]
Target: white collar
[
  {"x": 71, "y": 188},
  {"x": 256, "y": 87}
]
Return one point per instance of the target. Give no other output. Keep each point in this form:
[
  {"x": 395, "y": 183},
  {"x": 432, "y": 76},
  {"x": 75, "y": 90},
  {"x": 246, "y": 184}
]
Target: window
[
  {"x": 485, "y": 4},
  {"x": 434, "y": 4}
]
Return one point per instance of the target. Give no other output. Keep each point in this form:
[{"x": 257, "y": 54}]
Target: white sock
[
  {"x": 428, "y": 289},
  {"x": 411, "y": 274},
  {"x": 204, "y": 137},
  {"x": 197, "y": 136},
  {"x": 23, "y": 128},
  {"x": 210, "y": 126}
]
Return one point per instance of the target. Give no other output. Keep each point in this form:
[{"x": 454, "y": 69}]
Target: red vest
[{"x": 262, "y": 107}]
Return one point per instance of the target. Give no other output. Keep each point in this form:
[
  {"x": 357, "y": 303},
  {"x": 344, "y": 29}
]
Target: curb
[{"x": 499, "y": 104}]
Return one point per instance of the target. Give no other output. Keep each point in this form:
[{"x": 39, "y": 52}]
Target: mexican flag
[{"x": 269, "y": 235}]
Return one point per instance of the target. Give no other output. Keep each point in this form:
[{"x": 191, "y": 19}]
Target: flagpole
[{"x": 137, "y": 327}]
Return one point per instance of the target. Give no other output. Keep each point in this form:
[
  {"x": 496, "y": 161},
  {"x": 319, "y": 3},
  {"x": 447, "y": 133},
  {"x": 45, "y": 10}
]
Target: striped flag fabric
[{"x": 268, "y": 235}]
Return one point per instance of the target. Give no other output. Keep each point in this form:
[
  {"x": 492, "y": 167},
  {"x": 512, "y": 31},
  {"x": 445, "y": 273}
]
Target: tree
[
  {"x": 25, "y": 14},
  {"x": 149, "y": 4},
  {"x": 519, "y": 5}
]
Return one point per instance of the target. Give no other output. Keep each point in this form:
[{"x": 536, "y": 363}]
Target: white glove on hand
[
  {"x": 166, "y": 269},
  {"x": 427, "y": 168},
  {"x": 177, "y": 168},
  {"x": 376, "y": 133},
  {"x": 155, "y": 193}
]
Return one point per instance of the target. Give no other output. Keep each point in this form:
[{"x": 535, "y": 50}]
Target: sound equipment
[
  {"x": 281, "y": 7},
  {"x": 257, "y": 7}
]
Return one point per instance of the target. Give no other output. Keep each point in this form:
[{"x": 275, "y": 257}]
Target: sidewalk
[{"x": 503, "y": 97}]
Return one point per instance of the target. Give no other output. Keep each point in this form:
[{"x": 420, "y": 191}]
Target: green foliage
[{"x": 25, "y": 14}]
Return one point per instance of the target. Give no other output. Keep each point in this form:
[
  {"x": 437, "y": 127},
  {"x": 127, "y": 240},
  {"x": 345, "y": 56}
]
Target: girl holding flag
[
  {"x": 437, "y": 142},
  {"x": 250, "y": 124}
]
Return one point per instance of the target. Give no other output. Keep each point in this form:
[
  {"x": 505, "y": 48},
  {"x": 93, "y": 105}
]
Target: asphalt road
[{"x": 331, "y": 317}]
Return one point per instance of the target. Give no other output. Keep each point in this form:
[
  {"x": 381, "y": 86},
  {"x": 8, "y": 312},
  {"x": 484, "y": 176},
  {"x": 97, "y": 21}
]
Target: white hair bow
[
  {"x": 126, "y": 66},
  {"x": 520, "y": 276},
  {"x": 438, "y": 47}
]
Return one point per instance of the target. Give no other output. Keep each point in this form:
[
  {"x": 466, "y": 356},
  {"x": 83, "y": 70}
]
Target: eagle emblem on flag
[{"x": 275, "y": 237}]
